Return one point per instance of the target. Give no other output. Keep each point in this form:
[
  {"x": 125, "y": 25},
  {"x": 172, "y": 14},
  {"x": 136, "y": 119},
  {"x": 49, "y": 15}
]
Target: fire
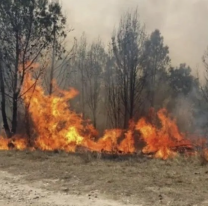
[
  {"x": 16, "y": 142},
  {"x": 57, "y": 127},
  {"x": 163, "y": 142}
]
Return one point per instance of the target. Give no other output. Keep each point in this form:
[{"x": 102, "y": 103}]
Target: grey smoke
[{"x": 182, "y": 23}]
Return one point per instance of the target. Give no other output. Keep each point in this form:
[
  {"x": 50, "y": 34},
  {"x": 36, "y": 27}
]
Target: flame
[
  {"x": 57, "y": 127},
  {"x": 165, "y": 140},
  {"x": 16, "y": 142},
  {"x": 127, "y": 145}
]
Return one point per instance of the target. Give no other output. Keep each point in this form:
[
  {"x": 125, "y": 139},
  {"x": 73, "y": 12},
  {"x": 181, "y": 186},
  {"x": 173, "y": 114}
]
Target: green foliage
[
  {"x": 28, "y": 29},
  {"x": 133, "y": 76},
  {"x": 155, "y": 61},
  {"x": 127, "y": 44},
  {"x": 181, "y": 80},
  {"x": 30, "y": 25},
  {"x": 155, "y": 54}
]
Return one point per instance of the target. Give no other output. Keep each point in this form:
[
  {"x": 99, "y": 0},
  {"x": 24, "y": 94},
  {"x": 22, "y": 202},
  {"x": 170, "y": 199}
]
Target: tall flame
[
  {"x": 163, "y": 141},
  {"x": 57, "y": 127}
]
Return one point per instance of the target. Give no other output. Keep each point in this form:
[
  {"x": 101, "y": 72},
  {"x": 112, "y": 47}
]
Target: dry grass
[
  {"x": 203, "y": 157},
  {"x": 181, "y": 181}
]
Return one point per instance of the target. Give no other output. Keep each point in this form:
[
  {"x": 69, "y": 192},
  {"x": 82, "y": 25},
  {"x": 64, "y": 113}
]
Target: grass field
[{"x": 127, "y": 179}]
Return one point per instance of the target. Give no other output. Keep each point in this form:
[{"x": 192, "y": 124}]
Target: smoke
[
  {"x": 191, "y": 112},
  {"x": 182, "y": 23}
]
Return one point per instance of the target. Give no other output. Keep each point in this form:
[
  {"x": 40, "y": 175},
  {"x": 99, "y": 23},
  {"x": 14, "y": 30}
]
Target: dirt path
[
  {"x": 47, "y": 178},
  {"x": 14, "y": 192}
]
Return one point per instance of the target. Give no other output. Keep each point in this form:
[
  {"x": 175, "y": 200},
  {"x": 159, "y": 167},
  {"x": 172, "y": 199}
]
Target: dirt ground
[{"x": 49, "y": 178}]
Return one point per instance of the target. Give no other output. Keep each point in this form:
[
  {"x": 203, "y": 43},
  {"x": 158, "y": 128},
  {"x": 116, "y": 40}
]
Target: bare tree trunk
[
  {"x": 28, "y": 125},
  {"x": 94, "y": 119},
  {"x": 14, "y": 114},
  {"x": 132, "y": 93},
  {"x": 52, "y": 66},
  {"x": 3, "y": 101},
  {"x": 15, "y": 88},
  {"x": 82, "y": 93}
]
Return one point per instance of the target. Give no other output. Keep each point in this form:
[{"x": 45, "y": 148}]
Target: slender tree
[
  {"x": 112, "y": 92},
  {"x": 26, "y": 34},
  {"x": 79, "y": 74},
  {"x": 128, "y": 48},
  {"x": 155, "y": 62},
  {"x": 95, "y": 63}
]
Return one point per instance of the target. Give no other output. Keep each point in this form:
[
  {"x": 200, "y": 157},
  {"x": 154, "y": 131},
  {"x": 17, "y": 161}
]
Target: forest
[
  {"x": 85, "y": 121},
  {"x": 105, "y": 86}
]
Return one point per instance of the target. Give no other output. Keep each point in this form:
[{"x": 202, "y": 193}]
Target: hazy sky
[{"x": 183, "y": 23}]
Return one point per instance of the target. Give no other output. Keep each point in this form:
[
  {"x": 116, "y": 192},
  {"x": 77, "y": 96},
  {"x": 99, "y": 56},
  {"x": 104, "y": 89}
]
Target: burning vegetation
[
  {"x": 134, "y": 77},
  {"x": 56, "y": 127}
]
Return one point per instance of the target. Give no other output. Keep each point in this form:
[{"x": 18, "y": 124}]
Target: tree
[
  {"x": 26, "y": 34},
  {"x": 59, "y": 67},
  {"x": 127, "y": 46},
  {"x": 155, "y": 62},
  {"x": 60, "y": 56},
  {"x": 86, "y": 75},
  {"x": 181, "y": 81},
  {"x": 112, "y": 92},
  {"x": 76, "y": 73},
  {"x": 95, "y": 63}
]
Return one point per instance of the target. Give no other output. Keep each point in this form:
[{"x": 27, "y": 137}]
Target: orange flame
[
  {"x": 162, "y": 142},
  {"x": 16, "y": 142},
  {"x": 57, "y": 127}
]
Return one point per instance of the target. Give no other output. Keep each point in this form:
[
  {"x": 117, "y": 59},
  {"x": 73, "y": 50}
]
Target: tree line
[{"x": 117, "y": 83}]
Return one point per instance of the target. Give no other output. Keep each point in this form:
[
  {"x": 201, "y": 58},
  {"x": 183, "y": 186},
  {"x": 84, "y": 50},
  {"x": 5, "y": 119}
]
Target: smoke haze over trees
[
  {"x": 117, "y": 82},
  {"x": 180, "y": 22}
]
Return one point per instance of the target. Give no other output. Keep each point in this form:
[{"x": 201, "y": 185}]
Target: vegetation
[
  {"x": 28, "y": 30},
  {"x": 116, "y": 84}
]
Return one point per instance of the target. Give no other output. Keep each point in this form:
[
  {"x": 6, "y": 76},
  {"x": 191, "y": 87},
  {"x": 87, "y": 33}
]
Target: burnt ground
[{"x": 134, "y": 180}]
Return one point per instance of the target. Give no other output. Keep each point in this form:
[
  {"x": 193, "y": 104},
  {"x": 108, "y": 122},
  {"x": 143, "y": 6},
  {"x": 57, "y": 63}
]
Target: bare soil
[{"x": 49, "y": 178}]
